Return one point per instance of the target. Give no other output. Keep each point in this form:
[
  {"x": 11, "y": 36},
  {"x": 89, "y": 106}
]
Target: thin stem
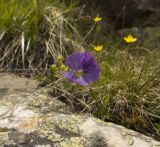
[{"x": 89, "y": 32}]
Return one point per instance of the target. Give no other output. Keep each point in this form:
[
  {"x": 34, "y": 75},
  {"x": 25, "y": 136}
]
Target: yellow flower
[
  {"x": 97, "y": 19},
  {"x": 130, "y": 39},
  {"x": 98, "y": 48}
]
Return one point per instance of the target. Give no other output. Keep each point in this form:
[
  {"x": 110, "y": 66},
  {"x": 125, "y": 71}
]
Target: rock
[
  {"x": 128, "y": 13},
  {"x": 24, "y": 124},
  {"x": 135, "y": 12},
  {"x": 152, "y": 20},
  {"x": 12, "y": 84},
  {"x": 145, "y": 5}
]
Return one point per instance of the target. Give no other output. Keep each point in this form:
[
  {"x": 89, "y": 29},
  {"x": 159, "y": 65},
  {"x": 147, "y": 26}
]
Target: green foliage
[
  {"x": 19, "y": 16},
  {"x": 133, "y": 90},
  {"x": 34, "y": 32},
  {"x": 127, "y": 92}
]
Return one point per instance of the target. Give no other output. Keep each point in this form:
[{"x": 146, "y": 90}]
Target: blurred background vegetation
[{"x": 34, "y": 33}]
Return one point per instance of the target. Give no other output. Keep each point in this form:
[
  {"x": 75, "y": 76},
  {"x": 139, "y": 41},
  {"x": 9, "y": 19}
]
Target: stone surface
[
  {"x": 136, "y": 12},
  {"x": 12, "y": 84},
  {"x": 29, "y": 120},
  {"x": 128, "y": 13},
  {"x": 143, "y": 5}
]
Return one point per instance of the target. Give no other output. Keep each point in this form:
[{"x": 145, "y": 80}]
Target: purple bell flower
[{"x": 84, "y": 69}]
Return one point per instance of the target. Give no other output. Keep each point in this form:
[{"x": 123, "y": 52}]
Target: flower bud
[
  {"x": 64, "y": 67},
  {"x": 53, "y": 67},
  {"x": 60, "y": 58}
]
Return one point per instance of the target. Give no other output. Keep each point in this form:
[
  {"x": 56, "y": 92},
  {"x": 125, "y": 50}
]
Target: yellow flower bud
[
  {"x": 64, "y": 67},
  {"x": 60, "y": 58},
  {"x": 53, "y": 67}
]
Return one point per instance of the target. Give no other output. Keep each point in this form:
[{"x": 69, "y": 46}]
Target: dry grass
[{"x": 36, "y": 36}]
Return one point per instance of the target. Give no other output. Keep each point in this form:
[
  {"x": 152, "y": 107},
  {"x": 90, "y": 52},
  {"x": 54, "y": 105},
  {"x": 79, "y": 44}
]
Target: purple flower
[{"x": 85, "y": 65}]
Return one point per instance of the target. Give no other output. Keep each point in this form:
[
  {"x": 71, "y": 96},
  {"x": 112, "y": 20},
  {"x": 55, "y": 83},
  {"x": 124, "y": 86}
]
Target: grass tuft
[{"x": 33, "y": 33}]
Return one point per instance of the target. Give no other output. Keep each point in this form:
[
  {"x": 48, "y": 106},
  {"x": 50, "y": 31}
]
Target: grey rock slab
[
  {"x": 114, "y": 135},
  {"x": 34, "y": 120},
  {"x": 12, "y": 84},
  {"x": 128, "y": 11}
]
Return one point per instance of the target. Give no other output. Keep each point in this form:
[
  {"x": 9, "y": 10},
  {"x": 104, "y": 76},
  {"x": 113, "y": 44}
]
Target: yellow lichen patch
[
  {"x": 124, "y": 132},
  {"x": 100, "y": 122},
  {"x": 71, "y": 145},
  {"x": 71, "y": 124},
  {"x": 75, "y": 142},
  {"x": 29, "y": 125},
  {"x": 55, "y": 138},
  {"x": 109, "y": 124},
  {"x": 1, "y": 136},
  {"x": 156, "y": 145},
  {"x": 39, "y": 101},
  {"x": 5, "y": 102},
  {"x": 69, "y": 127},
  {"x": 77, "y": 119},
  {"x": 130, "y": 142},
  {"x": 46, "y": 125}
]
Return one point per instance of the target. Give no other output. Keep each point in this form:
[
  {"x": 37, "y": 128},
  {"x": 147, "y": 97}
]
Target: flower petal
[
  {"x": 92, "y": 73},
  {"x": 73, "y": 61},
  {"x": 72, "y": 77},
  {"x": 81, "y": 81},
  {"x": 130, "y": 39},
  {"x": 87, "y": 60},
  {"x": 76, "y": 60},
  {"x": 98, "y": 48}
]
